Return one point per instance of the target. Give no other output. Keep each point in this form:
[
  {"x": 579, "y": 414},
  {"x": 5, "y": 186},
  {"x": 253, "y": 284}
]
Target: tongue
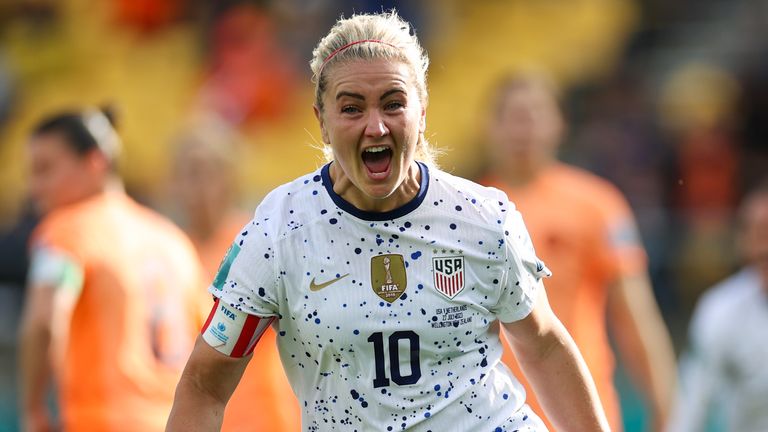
[{"x": 377, "y": 162}]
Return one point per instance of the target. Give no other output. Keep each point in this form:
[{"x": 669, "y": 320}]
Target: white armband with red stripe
[{"x": 233, "y": 332}]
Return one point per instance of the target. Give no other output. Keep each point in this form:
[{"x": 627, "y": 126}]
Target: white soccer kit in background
[
  {"x": 726, "y": 362},
  {"x": 386, "y": 321}
]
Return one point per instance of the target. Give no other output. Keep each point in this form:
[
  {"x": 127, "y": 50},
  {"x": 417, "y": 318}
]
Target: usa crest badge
[{"x": 448, "y": 274}]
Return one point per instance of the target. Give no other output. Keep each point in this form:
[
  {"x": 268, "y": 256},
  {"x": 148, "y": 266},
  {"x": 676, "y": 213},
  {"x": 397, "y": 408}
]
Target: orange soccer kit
[
  {"x": 135, "y": 320},
  {"x": 584, "y": 231},
  {"x": 263, "y": 401}
]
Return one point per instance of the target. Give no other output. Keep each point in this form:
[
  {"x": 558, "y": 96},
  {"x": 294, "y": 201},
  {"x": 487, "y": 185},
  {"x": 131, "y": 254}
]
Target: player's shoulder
[
  {"x": 730, "y": 294},
  {"x": 486, "y": 202},
  {"x": 588, "y": 192},
  {"x": 63, "y": 226},
  {"x": 53, "y": 223},
  {"x": 725, "y": 301},
  {"x": 293, "y": 205},
  {"x": 162, "y": 236},
  {"x": 294, "y": 191},
  {"x": 587, "y": 183}
]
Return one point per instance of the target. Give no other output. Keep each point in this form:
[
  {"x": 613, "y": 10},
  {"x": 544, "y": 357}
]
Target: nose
[{"x": 375, "y": 126}]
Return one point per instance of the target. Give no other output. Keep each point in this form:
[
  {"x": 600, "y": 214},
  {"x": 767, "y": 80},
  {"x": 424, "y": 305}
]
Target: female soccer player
[
  {"x": 387, "y": 280},
  {"x": 113, "y": 292}
]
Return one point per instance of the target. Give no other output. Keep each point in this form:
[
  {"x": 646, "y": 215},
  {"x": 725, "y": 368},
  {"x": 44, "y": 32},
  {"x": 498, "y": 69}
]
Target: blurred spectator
[
  {"x": 584, "y": 230},
  {"x": 113, "y": 305},
  {"x": 698, "y": 113},
  {"x": 148, "y": 15},
  {"x": 724, "y": 369},
  {"x": 204, "y": 189},
  {"x": 301, "y": 22},
  {"x": 252, "y": 76},
  {"x": 204, "y": 184}
]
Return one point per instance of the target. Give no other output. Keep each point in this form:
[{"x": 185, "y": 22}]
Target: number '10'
[{"x": 394, "y": 358}]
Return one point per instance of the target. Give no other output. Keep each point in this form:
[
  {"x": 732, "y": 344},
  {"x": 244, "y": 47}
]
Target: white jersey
[
  {"x": 726, "y": 362},
  {"x": 387, "y": 321}
]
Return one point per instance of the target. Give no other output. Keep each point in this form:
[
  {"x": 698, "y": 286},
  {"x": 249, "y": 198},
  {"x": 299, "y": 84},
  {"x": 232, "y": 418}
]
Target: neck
[
  {"x": 405, "y": 192},
  {"x": 112, "y": 184},
  {"x": 201, "y": 228},
  {"x": 203, "y": 221}
]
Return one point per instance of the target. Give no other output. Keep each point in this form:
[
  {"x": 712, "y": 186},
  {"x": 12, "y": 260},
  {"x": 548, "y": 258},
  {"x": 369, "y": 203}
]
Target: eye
[
  {"x": 350, "y": 109},
  {"x": 394, "y": 105}
]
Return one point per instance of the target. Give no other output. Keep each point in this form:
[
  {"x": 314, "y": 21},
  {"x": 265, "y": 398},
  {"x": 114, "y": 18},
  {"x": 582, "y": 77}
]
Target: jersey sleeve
[
  {"x": 522, "y": 271},
  {"x": 246, "y": 292},
  {"x": 247, "y": 278},
  {"x": 52, "y": 267},
  {"x": 55, "y": 259},
  {"x": 622, "y": 249}
]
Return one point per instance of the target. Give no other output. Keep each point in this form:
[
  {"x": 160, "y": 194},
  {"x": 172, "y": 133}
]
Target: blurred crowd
[{"x": 666, "y": 100}]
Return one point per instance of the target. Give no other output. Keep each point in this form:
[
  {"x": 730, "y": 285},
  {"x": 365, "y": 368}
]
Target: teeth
[{"x": 376, "y": 149}]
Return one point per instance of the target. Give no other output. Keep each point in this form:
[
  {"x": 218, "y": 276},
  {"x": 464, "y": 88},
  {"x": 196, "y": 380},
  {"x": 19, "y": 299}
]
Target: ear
[
  {"x": 319, "y": 117},
  {"x": 423, "y": 120},
  {"x": 96, "y": 161}
]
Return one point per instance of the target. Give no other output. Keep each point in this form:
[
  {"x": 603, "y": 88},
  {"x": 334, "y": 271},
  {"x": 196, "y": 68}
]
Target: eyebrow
[{"x": 361, "y": 97}]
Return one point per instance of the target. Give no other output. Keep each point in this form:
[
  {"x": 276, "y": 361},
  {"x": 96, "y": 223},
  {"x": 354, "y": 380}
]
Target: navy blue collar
[{"x": 377, "y": 216}]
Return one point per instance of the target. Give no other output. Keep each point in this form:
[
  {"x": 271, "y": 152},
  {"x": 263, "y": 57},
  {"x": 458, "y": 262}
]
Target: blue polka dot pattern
[{"x": 321, "y": 270}]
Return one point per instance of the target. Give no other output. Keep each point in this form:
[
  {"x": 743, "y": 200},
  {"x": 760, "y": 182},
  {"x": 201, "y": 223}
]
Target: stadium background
[{"x": 667, "y": 99}]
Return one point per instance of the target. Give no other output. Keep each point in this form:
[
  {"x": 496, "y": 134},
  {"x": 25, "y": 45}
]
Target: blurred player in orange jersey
[
  {"x": 205, "y": 185},
  {"x": 584, "y": 230},
  {"x": 112, "y": 305}
]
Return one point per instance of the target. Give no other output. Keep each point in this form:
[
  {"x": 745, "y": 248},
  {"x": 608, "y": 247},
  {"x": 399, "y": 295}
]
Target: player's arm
[
  {"x": 206, "y": 385},
  {"x": 34, "y": 343},
  {"x": 214, "y": 368},
  {"x": 54, "y": 285},
  {"x": 633, "y": 315},
  {"x": 553, "y": 365},
  {"x": 644, "y": 343}
]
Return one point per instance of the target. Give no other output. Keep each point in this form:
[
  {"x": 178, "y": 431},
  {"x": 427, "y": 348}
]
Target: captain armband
[{"x": 233, "y": 332}]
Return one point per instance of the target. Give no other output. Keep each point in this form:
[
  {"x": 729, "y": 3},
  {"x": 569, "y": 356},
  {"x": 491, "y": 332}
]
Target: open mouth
[{"x": 377, "y": 160}]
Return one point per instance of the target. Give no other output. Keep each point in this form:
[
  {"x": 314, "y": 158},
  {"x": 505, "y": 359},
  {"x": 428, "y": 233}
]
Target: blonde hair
[
  {"x": 524, "y": 79},
  {"x": 367, "y": 37}
]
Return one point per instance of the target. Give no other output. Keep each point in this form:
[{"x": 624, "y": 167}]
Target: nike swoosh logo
[{"x": 317, "y": 287}]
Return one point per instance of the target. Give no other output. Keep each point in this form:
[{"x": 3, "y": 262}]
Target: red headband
[{"x": 343, "y": 47}]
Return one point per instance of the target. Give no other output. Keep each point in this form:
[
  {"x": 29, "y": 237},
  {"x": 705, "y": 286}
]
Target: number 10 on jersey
[{"x": 393, "y": 346}]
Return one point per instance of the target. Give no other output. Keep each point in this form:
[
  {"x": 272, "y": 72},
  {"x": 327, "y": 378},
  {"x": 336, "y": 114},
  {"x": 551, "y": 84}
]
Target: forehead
[
  {"x": 363, "y": 76},
  {"x": 526, "y": 94},
  {"x": 49, "y": 143}
]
